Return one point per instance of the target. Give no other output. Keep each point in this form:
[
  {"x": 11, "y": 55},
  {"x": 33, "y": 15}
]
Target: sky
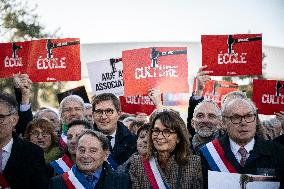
[{"x": 108, "y": 21}]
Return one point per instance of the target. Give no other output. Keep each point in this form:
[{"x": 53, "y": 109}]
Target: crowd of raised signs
[{"x": 96, "y": 145}]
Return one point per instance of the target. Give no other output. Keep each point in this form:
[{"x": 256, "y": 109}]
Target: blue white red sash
[
  {"x": 62, "y": 165},
  {"x": 63, "y": 140},
  {"x": 75, "y": 181},
  {"x": 215, "y": 156},
  {"x": 153, "y": 174}
]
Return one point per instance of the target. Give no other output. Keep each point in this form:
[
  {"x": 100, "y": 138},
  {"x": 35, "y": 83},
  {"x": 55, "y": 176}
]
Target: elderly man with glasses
[
  {"x": 240, "y": 150},
  {"x": 106, "y": 111}
]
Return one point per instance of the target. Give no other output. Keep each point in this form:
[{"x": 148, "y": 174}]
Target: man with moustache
[
  {"x": 241, "y": 150},
  {"x": 206, "y": 121},
  {"x": 91, "y": 170}
]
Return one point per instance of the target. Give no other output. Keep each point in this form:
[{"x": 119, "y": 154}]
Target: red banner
[
  {"x": 215, "y": 90},
  {"x": 163, "y": 68},
  {"x": 137, "y": 103},
  {"x": 232, "y": 55},
  {"x": 268, "y": 96},
  {"x": 43, "y": 60}
]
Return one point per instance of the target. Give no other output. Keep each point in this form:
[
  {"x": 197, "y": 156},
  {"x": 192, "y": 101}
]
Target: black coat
[
  {"x": 280, "y": 139},
  {"x": 26, "y": 168},
  {"x": 109, "y": 180},
  {"x": 125, "y": 144},
  {"x": 265, "y": 154}
]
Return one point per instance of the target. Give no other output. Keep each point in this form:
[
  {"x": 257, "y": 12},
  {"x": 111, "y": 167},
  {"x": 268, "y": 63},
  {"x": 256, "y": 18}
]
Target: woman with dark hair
[
  {"x": 41, "y": 132},
  {"x": 169, "y": 163}
]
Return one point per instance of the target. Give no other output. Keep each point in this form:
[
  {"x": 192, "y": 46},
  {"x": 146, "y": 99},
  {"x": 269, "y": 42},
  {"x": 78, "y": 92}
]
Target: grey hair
[
  {"x": 38, "y": 113},
  {"x": 232, "y": 95},
  {"x": 210, "y": 101},
  {"x": 224, "y": 107},
  {"x": 88, "y": 105},
  {"x": 69, "y": 98},
  {"x": 100, "y": 136}
]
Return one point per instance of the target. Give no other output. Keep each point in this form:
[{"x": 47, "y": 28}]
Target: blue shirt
[{"x": 88, "y": 181}]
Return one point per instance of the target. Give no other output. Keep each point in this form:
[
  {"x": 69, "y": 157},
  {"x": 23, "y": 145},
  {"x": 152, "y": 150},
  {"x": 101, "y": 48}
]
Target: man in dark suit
[
  {"x": 244, "y": 152},
  {"x": 106, "y": 110},
  {"x": 22, "y": 163},
  {"x": 91, "y": 169}
]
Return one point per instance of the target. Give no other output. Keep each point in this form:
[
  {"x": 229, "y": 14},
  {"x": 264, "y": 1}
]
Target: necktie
[
  {"x": 109, "y": 142},
  {"x": 243, "y": 153}
]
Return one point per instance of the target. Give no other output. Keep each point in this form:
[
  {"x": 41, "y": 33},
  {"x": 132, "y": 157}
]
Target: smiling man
[
  {"x": 106, "y": 110},
  {"x": 241, "y": 151},
  {"x": 91, "y": 169}
]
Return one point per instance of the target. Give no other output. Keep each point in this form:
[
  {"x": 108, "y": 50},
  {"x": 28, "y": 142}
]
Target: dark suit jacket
[
  {"x": 26, "y": 168},
  {"x": 108, "y": 180},
  {"x": 265, "y": 154},
  {"x": 280, "y": 139},
  {"x": 125, "y": 144},
  {"x": 24, "y": 117}
]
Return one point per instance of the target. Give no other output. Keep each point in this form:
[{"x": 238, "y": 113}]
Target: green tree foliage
[{"x": 18, "y": 22}]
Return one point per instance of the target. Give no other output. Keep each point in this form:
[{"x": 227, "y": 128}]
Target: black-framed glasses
[
  {"x": 99, "y": 112},
  {"x": 236, "y": 119},
  {"x": 3, "y": 117},
  {"x": 37, "y": 133},
  {"x": 165, "y": 132}
]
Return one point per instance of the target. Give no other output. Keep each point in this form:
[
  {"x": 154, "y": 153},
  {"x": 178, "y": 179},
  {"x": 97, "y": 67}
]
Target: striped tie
[{"x": 243, "y": 153}]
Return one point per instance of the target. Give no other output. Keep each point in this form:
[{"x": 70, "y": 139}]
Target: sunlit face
[
  {"x": 106, "y": 123},
  {"x": 8, "y": 121},
  {"x": 40, "y": 138},
  {"x": 142, "y": 142},
  {"x": 90, "y": 154},
  {"x": 165, "y": 143},
  {"x": 72, "y": 135},
  {"x": 206, "y": 120},
  {"x": 71, "y": 111},
  {"x": 243, "y": 132}
]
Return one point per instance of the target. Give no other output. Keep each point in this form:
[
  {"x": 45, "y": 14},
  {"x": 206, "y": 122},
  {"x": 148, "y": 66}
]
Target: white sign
[
  {"x": 104, "y": 80},
  {"x": 221, "y": 180}
]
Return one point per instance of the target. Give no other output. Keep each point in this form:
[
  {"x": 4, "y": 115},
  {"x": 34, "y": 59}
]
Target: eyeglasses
[
  {"x": 3, "y": 117},
  {"x": 99, "y": 112},
  {"x": 236, "y": 119},
  {"x": 165, "y": 132},
  {"x": 37, "y": 133}
]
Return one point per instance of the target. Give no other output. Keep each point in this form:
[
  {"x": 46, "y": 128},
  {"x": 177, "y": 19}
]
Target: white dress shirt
[
  {"x": 6, "y": 152},
  {"x": 235, "y": 148},
  {"x": 112, "y": 141}
]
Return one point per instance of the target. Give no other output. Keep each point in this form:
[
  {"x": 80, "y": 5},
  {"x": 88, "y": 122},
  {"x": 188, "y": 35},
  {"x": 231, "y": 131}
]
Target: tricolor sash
[
  {"x": 215, "y": 156},
  {"x": 62, "y": 165},
  {"x": 73, "y": 180},
  {"x": 153, "y": 174},
  {"x": 63, "y": 140},
  {"x": 3, "y": 182}
]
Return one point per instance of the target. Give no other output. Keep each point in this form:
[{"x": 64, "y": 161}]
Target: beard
[{"x": 206, "y": 129}]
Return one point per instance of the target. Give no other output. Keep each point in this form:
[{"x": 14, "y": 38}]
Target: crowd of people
[{"x": 98, "y": 146}]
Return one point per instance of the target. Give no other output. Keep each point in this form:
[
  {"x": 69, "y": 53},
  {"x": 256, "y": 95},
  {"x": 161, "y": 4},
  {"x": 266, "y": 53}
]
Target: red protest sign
[
  {"x": 268, "y": 96},
  {"x": 13, "y": 58},
  {"x": 215, "y": 90},
  {"x": 137, "y": 103},
  {"x": 55, "y": 60},
  {"x": 43, "y": 60},
  {"x": 163, "y": 68},
  {"x": 232, "y": 55}
]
